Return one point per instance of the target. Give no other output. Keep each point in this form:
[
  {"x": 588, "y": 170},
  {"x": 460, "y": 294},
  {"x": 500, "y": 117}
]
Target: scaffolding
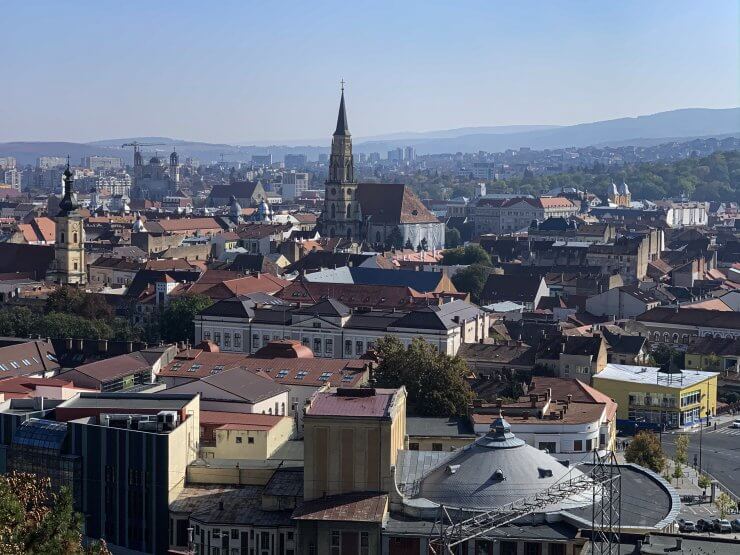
[{"x": 603, "y": 481}]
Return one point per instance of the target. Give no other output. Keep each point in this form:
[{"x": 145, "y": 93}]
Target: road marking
[{"x": 726, "y": 431}]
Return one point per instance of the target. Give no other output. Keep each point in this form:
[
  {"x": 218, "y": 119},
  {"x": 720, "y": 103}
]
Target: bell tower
[
  {"x": 69, "y": 249},
  {"x": 341, "y": 215}
]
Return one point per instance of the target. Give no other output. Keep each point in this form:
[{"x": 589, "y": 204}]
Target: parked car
[
  {"x": 735, "y": 525},
  {"x": 722, "y": 525},
  {"x": 703, "y": 525},
  {"x": 735, "y": 424},
  {"x": 686, "y": 525}
]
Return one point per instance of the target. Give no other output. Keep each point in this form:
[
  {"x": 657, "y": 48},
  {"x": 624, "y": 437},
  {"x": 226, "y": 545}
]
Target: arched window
[
  {"x": 74, "y": 240},
  {"x": 282, "y": 408},
  {"x": 665, "y": 337},
  {"x": 685, "y": 339},
  {"x": 333, "y": 211},
  {"x": 349, "y": 211},
  {"x": 675, "y": 338},
  {"x": 656, "y": 336}
]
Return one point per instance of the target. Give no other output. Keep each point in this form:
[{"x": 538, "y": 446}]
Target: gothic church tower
[
  {"x": 69, "y": 249},
  {"x": 341, "y": 215}
]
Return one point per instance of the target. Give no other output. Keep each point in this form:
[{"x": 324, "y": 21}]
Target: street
[{"x": 720, "y": 453}]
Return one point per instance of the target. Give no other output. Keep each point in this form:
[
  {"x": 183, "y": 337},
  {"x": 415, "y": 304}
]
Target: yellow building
[
  {"x": 244, "y": 436},
  {"x": 352, "y": 438},
  {"x": 714, "y": 353},
  {"x": 673, "y": 398}
]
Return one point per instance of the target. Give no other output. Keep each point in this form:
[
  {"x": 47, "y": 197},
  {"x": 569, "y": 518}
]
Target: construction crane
[
  {"x": 137, "y": 152},
  {"x": 602, "y": 483}
]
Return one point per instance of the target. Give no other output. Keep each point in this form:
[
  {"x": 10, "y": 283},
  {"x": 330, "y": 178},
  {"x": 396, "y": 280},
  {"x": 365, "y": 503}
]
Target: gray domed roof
[{"x": 495, "y": 470}]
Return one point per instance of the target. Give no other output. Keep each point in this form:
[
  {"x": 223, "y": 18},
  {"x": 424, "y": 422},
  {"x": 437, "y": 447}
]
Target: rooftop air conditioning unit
[{"x": 167, "y": 420}]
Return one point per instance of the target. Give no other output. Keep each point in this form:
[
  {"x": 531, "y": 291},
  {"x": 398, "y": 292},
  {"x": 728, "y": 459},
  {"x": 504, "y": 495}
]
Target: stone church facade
[{"x": 387, "y": 214}]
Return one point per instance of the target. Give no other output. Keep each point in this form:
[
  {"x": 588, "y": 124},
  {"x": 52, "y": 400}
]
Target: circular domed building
[
  {"x": 495, "y": 470},
  {"x": 510, "y": 496}
]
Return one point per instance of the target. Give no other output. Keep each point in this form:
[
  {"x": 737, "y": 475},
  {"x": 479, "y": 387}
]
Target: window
[
  {"x": 238, "y": 439},
  {"x": 548, "y": 446},
  {"x": 255, "y": 341},
  {"x": 317, "y": 345},
  {"x": 207, "y": 335},
  {"x": 413, "y": 446},
  {"x": 237, "y": 340},
  {"x": 217, "y": 338},
  {"x": 227, "y": 340},
  {"x": 589, "y": 445},
  {"x": 578, "y": 445},
  {"x": 265, "y": 340},
  {"x": 329, "y": 347},
  {"x": 348, "y": 347},
  {"x": 359, "y": 348},
  {"x": 336, "y": 543},
  {"x": 436, "y": 446},
  {"x": 250, "y": 441}
]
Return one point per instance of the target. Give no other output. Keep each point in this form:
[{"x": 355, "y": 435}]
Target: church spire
[
  {"x": 342, "y": 127},
  {"x": 68, "y": 202}
]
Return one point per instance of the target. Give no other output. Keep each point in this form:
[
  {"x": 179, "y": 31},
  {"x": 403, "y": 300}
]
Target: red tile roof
[
  {"x": 348, "y": 507},
  {"x": 239, "y": 420},
  {"x": 337, "y": 402},
  {"x": 286, "y": 371}
]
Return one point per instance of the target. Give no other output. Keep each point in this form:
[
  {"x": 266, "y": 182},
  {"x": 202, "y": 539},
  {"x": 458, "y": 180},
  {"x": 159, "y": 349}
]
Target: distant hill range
[{"x": 676, "y": 125}]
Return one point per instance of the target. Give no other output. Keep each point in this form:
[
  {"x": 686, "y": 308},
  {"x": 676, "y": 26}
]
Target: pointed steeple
[{"x": 342, "y": 127}]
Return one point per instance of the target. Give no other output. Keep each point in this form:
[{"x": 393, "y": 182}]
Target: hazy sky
[{"x": 236, "y": 71}]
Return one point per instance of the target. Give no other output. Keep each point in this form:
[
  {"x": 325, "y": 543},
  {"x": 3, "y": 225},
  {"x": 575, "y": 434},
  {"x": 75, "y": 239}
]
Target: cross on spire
[{"x": 342, "y": 83}]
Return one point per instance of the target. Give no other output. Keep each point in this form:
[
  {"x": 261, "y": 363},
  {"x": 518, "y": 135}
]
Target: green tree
[
  {"x": 435, "y": 382},
  {"x": 66, "y": 299},
  {"x": 645, "y": 450},
  {"x": 663, "y": 354},
  {"x": 711, "y": 362},
  {"x": 677, "y": 470},
  {"x": 682, "y": 449},
  {"x": 35, "y": 521},
  {"x": 18, "y": 321},
  {"x": 58, "y": 325},
  {"x": 471, "y": 280},
  {"x": 72, "y": 300},
  {"x": 704, "y": 482},
  {"x": 725, "y": 505},
  {"x": 470, "y": 254},
  {"x": 395, "y": 239},
  {"x": 452, "y": 238},
  {"x": 176, "y": 321}
]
